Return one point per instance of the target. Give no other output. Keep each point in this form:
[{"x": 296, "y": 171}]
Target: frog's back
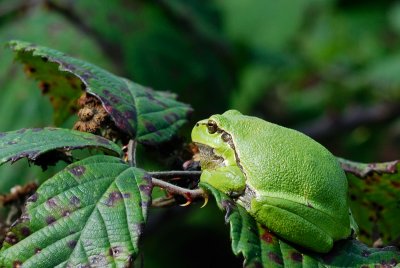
[{"x": 288, "y": 164}]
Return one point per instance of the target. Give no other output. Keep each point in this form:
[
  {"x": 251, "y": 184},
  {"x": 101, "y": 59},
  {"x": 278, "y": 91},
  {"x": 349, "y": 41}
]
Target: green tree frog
[{"x": 287, "y": 181}]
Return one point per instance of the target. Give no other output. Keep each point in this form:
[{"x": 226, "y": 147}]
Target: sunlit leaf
[{"x": 90, "y": 214}]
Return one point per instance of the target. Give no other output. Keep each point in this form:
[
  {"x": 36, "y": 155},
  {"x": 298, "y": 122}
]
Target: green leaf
[
  {"x": 142, "y": 113},
  {"x": 375, "y": 199},
  {"x": 90, "y": 214},
  {"x": 261, "y": 248},
  {"x": 35, "y": 142}
]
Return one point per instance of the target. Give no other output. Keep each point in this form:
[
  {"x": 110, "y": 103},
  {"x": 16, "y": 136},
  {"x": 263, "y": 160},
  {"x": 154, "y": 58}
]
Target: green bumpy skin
[{"x": 287, "y": 181}]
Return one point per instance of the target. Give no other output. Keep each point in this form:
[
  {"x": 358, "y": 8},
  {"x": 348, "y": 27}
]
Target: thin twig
[
  {"x": 326, "y": 127},
  {"x": 132, "y": 153},
  {"x": 70, "y": 14},
  {"x": 363, "y": 169},
  {"x": 11, "y": 11},
  {"x": 173, "y": 189},
  {"x": 18, "y": 194},
  {"x": 197, "y": 30},
  {"x": 165, "y": 175},
  {"x": 395, "y": 242}
]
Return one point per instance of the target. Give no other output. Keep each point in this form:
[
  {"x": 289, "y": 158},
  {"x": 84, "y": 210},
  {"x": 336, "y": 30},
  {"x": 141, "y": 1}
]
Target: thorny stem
[
  {"x": 173, "y": 189},
  {"x": 159, "y": 177},
  {"x": 132, "y": 153}
]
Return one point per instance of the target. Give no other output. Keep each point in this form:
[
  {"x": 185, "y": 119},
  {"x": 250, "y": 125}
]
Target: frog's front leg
[{"x": 228, "y": 179}]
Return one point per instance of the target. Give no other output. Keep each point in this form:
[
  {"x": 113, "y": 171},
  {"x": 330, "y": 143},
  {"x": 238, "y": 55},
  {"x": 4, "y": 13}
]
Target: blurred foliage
[{"x": 326, "y": 67}]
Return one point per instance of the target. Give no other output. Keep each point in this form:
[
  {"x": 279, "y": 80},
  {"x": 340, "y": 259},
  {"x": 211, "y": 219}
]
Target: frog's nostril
[{"x": 197, "y": 124}]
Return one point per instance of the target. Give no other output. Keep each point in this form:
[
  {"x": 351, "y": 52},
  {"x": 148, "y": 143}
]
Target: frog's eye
[
  {"x": 226, "y": 137},
  {"x": 212, "y": 127}
]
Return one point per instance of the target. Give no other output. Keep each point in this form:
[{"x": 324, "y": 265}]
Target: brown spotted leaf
[
  {"x": 91, "y": 214},
  {"x": 262, "y": 248},
  {"x": 139, "y": 112},
  {"x": 375, "y": 200},
  {"x": 35, "y": 143}
]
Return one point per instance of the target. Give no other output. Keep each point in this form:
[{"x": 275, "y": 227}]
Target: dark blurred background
[{"x": 328, "y": 68}]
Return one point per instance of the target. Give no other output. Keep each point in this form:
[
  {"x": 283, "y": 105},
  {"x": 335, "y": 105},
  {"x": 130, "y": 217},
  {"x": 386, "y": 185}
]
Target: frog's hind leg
[{"x": 298, "y": 223}]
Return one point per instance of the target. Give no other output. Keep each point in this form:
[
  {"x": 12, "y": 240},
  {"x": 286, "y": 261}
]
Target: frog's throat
[
  {"x": 208, "y": 158},
  {"x": 211, "y": 158}
]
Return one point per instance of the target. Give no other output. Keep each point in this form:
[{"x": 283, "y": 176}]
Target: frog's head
[
  {"x": 214, "y": 140},
  {"x": 218, "y": 158}
]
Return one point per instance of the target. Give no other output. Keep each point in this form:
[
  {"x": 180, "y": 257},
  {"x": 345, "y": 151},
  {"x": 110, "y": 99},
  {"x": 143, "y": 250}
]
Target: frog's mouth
[{"x": 208, "y": 159}]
